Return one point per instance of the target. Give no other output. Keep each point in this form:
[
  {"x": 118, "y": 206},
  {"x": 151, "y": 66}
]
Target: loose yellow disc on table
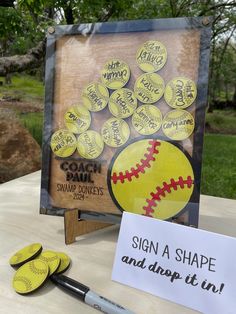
[
  {"x": 178, "y": 124},
  {"x": 95, "y": 96},
  {"x": 180, "y": 92},
  {"x": 115, "y": 132},
  {"x": 151, "y": 177},
  {"x": 115, "y": 74},
  {"x": 151, "y": 56},
  {"x": 30, "y": 276},
  {"x": 63, "y": 143},
  {"x": 77, "y": 119},
  {"x": 65, "y": 262},
  {"x": 147, "y": 119},
  {"x": 24, "y": 255},
  {"x": 122, "y": 103},
  {"x": 51, "y": 259},
  {"x": 90, "y": 144},
  {"x": 149, "y": 88}
]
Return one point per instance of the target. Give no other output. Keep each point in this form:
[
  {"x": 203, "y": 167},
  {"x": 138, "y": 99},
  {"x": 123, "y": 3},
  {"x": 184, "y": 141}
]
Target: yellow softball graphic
[
  {"x": 51, "y": 259},
  {"x": 30, "y": 276},
  {"x": 90, "y": 144},
  {"x": 24, "y": 255},
  {"x": 151, "y": 177},
  {"x": 149, "y": 88},
  {"x": 115, "y": 74},
  {"x": 180, "y": 92},
  {"x": 77, "y": 119},
  {"x": 122, "y": 103},
  {"x": 63, "y": 143},
  {"x": 147, "y": 119},
  {"x": 95, "y": 96},
  {"x": 115, "y": 132},
  {"x": 65, "y": 262},
  {"x": 178, "y": 124},
  {"x": 151, "y": 56}
]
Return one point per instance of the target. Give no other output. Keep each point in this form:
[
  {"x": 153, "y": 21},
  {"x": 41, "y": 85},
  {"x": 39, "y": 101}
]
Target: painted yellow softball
[
  {"x": 51, "y": 259},
  {"x": 180, "y": 92},
  {"x": 77, "y": 119},
  {"x": 115, "y": 132},
  {"x": 95, "y": 96},
  {"x": 151, "y": 177},
  {"x": 90, "y": 144},
  {"x": 63, "y": 143},
  {"x": 65, "y": 262},
  {"x": 149, "y": 88},
  {"x": 178, "y": 124},
  {"x": 24, "y": 255},
  {"x": 122, "y": 103},
  {"x": 30, "y": 276},
  {"x": 151, "y": 56},
  {"x": 147, "y": 119},
  {"x": 115, "y": 74}
]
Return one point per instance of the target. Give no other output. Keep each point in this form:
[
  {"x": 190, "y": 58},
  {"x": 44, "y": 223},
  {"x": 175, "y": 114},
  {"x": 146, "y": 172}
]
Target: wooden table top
[{"x": 92, "y": 255}]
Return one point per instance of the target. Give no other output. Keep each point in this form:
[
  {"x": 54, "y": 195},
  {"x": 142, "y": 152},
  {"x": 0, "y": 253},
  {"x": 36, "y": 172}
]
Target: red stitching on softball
[
  {"x": 144, "y": 163},
  {"x": 161, "y": 192}
]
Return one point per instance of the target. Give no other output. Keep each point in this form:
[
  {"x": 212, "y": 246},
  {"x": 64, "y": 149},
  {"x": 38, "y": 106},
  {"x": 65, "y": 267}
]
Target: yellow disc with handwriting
[
  {"x": 30, "y": 276},
  {"x": 90, "y": 144},
  {"x": 77, "y": 119},
  {"x": 95, "y": 96},
  {"x": 115, "y": 132},
  {"x": 180, "y": 92},
  {"x": 122, "y": 103},
  {"x": 178, "y": 124},
  {"x": 151, "y": 56},
  {"x": 51, "y": 259},
  {"x": 115, "y": 74},
  {"x": 149, "y": 88},
  {"x": 63, "y": 143},
  {"x": 24, "y": 255},
  {"x": 147, "y": 119},
  {"x": 65, "y": 262}
]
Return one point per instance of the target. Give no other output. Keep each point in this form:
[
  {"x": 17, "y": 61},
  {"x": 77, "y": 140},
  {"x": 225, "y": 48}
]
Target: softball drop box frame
[{"x": 143, "y": 85}]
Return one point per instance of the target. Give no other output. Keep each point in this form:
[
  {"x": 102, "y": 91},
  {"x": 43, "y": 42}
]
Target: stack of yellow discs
[{"x": 33, "y": 272}]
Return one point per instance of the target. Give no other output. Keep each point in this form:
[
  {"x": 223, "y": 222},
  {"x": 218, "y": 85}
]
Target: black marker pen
[{"x": 84, "y": 294}]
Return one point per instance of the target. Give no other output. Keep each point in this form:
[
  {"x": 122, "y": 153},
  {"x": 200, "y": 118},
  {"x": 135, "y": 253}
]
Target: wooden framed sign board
[{"x": 124, "y": 119}]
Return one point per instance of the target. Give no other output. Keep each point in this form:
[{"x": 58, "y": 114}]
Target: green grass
[
  {"x": 219, "y": 166},
  {"x": 34, "y": 123},
  {"x": 24, "y": 88},
  {"x": 222, "y": 121}
]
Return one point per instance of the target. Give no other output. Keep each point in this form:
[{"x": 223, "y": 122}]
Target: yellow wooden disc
[
  {"x": 178, "y": 124},
  {"x": 151, "y": 56},
  {"x": 24, "y": 255},
  {"x": 77, "y": 119},
  {"x": 115, "y": 74},
  {"x": 51, "y": 259},
  {"x": 95, "y": 96},
  {"x": 151, "y": 177},
  {"x": 180, "y": 92},
  {"x": 149, "y": 88},
  {"x": 30, "y": 276},
  {"x": 122, "y": 103},
  {"x": 90, "y": 144},
  {"x": 115, "y": 132},
  {"x": 147, "y": 119},
  {"x": 65, "y": 262},
  {"x": 63, "y": 143}
]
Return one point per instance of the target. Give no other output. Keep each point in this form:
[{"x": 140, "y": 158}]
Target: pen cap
[{"x": 70, "y": 285}]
